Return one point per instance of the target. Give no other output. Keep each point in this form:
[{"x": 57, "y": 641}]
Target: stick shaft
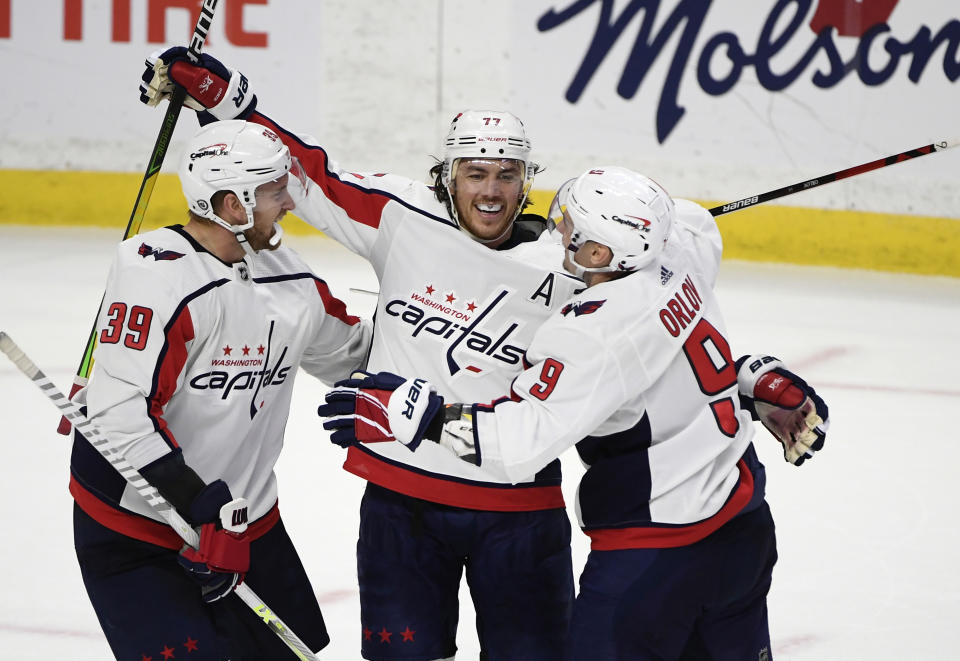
[
  {"x": 153, "y": 169},
  {"x": 146, "y": 188},
  {"x": 149, "y": 493},
  {"x": 834, "y": 176}
]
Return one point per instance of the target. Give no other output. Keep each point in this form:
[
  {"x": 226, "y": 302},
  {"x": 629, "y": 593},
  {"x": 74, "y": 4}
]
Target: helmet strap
[
  {"x": 238, "y": 230},
  {"x": 274, "y": 240}
]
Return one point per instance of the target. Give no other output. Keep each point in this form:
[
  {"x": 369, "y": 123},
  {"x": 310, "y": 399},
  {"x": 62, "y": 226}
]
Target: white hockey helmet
[
  {"x": 235, "y": 156},
  {"x": 629, "y": 213},
  {"x": 491, "y": 135}
]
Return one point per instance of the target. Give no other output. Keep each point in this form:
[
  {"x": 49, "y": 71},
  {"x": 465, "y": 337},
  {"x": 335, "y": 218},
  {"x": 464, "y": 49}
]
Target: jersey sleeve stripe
[
  {"x": 364, "y": 205},
  {"x": 361, "y": 204},
  {"x": 173, "y": 357},
  {"x": 333, "y": 305}
]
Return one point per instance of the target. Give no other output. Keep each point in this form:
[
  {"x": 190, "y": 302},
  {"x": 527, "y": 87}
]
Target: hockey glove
[
  {"x": 789, "y": 408},
  {"x": 223, "y": 557},
  {"x": 213, "y": 90},
  {"x": 372, "y": 408}
]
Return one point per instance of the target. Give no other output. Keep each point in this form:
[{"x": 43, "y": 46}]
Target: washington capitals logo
[
  {"x": 159, "y": 254},
  {"x": 588, "y": 307}
]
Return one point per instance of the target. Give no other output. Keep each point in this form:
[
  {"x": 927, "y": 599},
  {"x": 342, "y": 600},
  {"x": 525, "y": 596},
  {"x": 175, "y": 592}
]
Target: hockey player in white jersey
[
  {"x": 202, "y": 330},
  {"x": 636, "y": 371},
  {"x": 465, "y": 279}
]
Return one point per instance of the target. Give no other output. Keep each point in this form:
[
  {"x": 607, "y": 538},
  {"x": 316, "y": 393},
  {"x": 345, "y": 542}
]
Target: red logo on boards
[{"x": 851, "y": 18}]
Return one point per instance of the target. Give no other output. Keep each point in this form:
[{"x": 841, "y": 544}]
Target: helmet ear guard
[{"x": 626, "y": 211}]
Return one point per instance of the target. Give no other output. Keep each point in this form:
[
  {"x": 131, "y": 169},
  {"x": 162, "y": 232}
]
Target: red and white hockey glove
[
  {"x": 213, "y": 90},
  {"x": 789, "y": 408},
  {"x": 373, "y": 408},
  {"x": 223, "y": 557}
]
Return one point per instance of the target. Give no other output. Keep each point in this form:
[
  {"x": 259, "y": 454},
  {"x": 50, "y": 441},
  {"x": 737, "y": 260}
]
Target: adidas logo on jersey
[{"x": 665, "y": 275}]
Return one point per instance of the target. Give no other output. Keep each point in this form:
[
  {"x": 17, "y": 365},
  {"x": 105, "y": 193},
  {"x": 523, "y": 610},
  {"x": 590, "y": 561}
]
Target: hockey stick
[
  {"x": 149, "y": 493},
  {"x": 834, "y": 176},
  {"x": 146, "y": 186}
]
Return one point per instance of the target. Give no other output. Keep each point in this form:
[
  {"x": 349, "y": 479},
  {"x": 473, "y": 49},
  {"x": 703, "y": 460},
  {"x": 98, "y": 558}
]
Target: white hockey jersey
[
  {"x": 637, "y": 373},
  {"x": 201, "y": 355},
  {"x": 450, "y": 309}
]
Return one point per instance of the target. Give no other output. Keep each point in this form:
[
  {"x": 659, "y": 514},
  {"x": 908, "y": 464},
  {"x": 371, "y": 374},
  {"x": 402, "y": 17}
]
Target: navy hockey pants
[
  {"x": 150, "y": 608},
  {"x": 703, "y": 602},
  {"x": 411, "y": 555}
]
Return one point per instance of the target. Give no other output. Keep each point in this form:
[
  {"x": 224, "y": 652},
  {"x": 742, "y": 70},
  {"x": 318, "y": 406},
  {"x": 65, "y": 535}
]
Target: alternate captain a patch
[
  {"x": 158, "y": 253},
  {"x": 587, "y": 307}
]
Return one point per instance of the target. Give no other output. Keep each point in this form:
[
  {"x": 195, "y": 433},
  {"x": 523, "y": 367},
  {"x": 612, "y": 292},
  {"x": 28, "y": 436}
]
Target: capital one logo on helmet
[
  {"x": 831, "y": 22},
  {"x": 642, "y": 224},
  {"x": 218, "y": 149},
  {"x": 468, "y": 340}
]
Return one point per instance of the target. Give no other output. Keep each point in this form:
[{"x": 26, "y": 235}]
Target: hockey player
[
  {"x": 636, "y": 371},
  {"x": 202, "y": 330},
  {"x": 465, "y": 279}
]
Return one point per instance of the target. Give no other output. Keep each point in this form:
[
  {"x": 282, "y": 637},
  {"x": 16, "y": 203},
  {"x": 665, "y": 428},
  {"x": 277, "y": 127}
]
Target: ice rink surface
[{"x": 868, "y": 532}]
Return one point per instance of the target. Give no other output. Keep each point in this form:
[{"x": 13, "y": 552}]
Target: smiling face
[
  {"x": 486, "y": 194},
  {"x": 273, "y": 203}
]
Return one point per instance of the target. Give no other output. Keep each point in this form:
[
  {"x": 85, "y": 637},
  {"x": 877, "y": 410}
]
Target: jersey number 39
[{"x": 133, "y": 328}]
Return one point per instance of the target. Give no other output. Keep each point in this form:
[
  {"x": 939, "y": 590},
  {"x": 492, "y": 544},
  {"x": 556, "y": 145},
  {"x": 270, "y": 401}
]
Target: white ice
[{"x": 868, "y": 533}]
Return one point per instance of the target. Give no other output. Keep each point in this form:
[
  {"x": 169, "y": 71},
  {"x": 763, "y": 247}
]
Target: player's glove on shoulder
[
  {"x": 213, "y": 90},
  {"x": 789, "y": 408},
  {"x": 372, "y": 408},
  {"x": 223, "y": 557}
]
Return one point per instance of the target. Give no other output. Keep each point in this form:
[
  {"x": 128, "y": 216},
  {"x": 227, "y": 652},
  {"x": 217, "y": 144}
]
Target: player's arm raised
[{"x": 347, "y": 206}]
